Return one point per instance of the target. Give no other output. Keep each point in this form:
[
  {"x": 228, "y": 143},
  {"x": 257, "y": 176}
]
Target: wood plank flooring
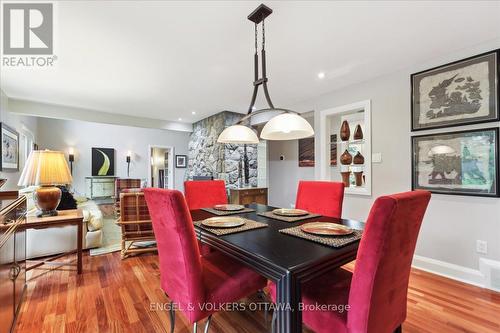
[{"x": 114, "y": 295}]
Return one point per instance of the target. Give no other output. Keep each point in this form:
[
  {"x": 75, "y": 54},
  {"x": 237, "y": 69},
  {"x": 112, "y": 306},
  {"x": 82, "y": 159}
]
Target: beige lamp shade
[
  {"x": 287, "y": 126},
  {"x": 45, "y": 167},
  {"x": 238, "y": 134}
]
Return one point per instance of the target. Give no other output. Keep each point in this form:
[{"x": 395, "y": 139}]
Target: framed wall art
[
  {"x": 103, "y": 162},
  {"x": 306, "y": 152},
  {"x": 459, "y": 93},
  {"x": 9, "y": 158},
  {"x": 181, "y": 161},
  {"x": 461, "y": 163}
]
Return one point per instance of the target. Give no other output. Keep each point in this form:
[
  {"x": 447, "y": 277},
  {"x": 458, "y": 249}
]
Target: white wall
[
  {"x": 23, "y": 125},
  {"x": 82, "y": 136},
  {"x": 452, "y": 223},
  {"x": 284, "y": 175}
]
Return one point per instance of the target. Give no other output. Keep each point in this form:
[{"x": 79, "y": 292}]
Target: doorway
[{"x": 161, "y": 170}]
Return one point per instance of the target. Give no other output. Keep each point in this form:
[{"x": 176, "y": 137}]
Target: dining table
[{"x": 286, "y": 260}]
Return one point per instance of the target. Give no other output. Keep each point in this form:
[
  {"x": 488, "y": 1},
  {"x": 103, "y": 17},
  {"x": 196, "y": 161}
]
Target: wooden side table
[{"x": 64, "y": 218}]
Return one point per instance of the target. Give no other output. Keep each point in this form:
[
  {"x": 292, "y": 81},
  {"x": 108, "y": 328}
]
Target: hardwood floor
[{"x": 114, "y": 295}]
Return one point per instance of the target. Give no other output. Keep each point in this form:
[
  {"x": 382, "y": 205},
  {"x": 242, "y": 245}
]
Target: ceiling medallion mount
[{"x": 288, "y": 125}]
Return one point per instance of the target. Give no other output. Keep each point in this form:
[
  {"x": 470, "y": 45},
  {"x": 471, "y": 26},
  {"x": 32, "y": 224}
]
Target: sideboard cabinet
[
  {"x": 248, "y": 195},
  {"x": 100, "y": 187},
  {"x": 12, "y": 258}
]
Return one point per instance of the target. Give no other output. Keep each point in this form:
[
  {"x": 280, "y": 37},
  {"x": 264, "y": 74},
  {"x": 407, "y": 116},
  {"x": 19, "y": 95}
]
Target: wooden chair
[
  {"x": 135, "y": 223},
  {"x": 122, "y": 184}
]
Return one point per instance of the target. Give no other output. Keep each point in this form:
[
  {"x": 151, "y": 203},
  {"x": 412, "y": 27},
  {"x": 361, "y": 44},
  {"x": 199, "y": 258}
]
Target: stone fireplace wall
[{"x": 206, "y": 157}]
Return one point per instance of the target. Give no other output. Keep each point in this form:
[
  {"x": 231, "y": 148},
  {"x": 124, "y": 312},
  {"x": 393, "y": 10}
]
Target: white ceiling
[{"x": 164, "y": 60}]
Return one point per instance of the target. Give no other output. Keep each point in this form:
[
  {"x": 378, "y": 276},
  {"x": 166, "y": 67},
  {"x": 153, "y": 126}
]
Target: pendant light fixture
[{"x": 288, "y": 125}]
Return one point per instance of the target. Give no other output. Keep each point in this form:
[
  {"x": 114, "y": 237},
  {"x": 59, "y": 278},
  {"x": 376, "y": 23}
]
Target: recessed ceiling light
[
  {"x": 180, "y": 119},
  {"x": 321, "y": 75},
  {"x": 193, "y": 112}
]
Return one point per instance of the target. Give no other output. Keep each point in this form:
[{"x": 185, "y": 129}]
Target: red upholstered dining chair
[
  {"x": 197, "y": 285},
  {"x": 376, "y": 292},
  {"x": 205, "y": 194},
  {"x": 320, "y": 197}
]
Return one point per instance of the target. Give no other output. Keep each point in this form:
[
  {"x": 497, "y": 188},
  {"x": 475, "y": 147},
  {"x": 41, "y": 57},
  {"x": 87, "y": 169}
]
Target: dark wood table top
[{"x": 283, "y": 252}]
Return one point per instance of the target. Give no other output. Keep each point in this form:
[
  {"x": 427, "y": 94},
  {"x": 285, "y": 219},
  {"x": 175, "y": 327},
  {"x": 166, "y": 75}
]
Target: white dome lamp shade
[
  {"x": 238, "y": 134},
  {"x": 287, "y": 126}
]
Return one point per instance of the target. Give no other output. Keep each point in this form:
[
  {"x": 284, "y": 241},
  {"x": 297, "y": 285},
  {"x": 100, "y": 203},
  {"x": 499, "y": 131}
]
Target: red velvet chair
[
  {"x": 323, "y": 198},
  {"x": 205, "y": 193},
  {"x": 190, "y": 280},
  {"x": 376, "y": 292}
]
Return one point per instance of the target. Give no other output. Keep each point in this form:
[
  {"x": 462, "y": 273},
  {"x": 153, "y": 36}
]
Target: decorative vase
[
  {"x": 358, "y": 133},
  {"x": 359, "y": 159},
  {"x": 345, "y": 178},
  {"x": 346, "y": 158},
  {"x": 359, "y": 178},
  {"x": 345, "y": 131}
]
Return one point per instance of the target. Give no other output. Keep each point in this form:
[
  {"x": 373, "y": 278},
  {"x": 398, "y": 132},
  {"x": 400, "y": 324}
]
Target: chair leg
[
  {"x": 399, "y": 329},
  {"x": 273, "y": 322},
  {"x": 172, "y": 317},
  {"x": 207, "y": 324},
  {"x": 195, "y": 327}
]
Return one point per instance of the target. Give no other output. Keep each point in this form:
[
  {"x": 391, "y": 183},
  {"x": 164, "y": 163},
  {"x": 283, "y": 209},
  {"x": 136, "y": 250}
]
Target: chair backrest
[
  {"x": 124, "y": 183},
  {"x": 319, "y": 197},
  {"x": 379, "y": 285},
  {"x": 133, "y": 208},
  {"x": 180, "y": 263},
  {"x": 205, "y": 193}
]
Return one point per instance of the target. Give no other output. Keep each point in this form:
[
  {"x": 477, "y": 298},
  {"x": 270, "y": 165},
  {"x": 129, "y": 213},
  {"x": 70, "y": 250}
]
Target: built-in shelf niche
[{"x": 330, "y": 122}]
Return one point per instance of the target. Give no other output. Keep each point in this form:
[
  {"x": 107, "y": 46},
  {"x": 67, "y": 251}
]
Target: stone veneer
[{"x": 206, "y": 157}]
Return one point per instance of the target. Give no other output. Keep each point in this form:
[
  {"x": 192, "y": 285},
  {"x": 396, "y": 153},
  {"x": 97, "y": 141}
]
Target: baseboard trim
[{"x": 451, "y": 271}]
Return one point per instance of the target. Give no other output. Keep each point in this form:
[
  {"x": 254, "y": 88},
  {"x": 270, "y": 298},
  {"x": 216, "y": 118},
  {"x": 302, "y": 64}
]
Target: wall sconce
[
  {"x": 129, "y": 154},
  {"x": 71, "y": 159}
]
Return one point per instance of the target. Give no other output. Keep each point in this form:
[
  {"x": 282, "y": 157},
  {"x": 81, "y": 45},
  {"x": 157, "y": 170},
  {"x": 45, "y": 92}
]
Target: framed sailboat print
[{"x": 459, "y": 93}]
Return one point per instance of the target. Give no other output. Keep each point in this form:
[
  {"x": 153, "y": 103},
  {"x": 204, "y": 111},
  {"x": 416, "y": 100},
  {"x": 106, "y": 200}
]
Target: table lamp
[{"x": 46, "y": 168}]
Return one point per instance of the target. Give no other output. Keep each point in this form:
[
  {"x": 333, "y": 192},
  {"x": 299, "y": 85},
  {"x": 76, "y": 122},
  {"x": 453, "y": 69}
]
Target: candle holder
[
  {"x": 71, "y": 159},
  {"x": 128, "y": 164}
]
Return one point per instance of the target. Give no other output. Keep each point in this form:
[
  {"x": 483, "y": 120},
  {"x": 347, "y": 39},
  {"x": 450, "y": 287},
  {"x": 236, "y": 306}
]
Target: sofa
[{"x": 46, "y": 242}]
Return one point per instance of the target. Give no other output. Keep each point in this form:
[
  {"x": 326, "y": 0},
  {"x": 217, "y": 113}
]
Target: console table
[
  {"x": 100, "y": 187},
  {"x": 12, "y": 257},
  {"x": 64, "y": 218}
]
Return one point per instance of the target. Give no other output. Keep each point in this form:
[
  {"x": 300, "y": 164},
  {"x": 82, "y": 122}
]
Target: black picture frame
[
  {"x": 103, "y": 159},
  {"x": 494, "y": 93},
  {"x": 13, "y": 135},
  {"x": 463, "y": 192},
  {"x": 181, "y": 161}
]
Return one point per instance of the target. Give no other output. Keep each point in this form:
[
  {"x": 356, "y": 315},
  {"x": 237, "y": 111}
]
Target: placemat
[
  {"x": 249, "y": 225},
  {"x": 333, "y": 241},
  {"x": 225, "y": 212},
  {"x": 288, "y": 218}
]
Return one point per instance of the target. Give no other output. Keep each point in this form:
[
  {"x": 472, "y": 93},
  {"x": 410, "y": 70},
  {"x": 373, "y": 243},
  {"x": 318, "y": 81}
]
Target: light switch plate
[{"x": 377, "y": 158}]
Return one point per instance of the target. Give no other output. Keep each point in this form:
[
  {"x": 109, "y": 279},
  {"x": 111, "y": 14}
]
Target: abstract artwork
[
  {"x": 459, "y": 93},
  {"x": 103, "y": 162},
  {"x": 306, "y": 152},
  {"x": 10, "y": 149},
  {"x": 333, "y": 150},
  {"x": 463, "y": 163}
]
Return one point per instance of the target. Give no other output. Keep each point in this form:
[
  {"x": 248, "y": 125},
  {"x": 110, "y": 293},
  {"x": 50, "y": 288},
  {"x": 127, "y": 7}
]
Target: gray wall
[
  {"x": 62, "y": 134},
  {"x": 22, "y": 124},
  {"x": 453, "y": 223}
]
